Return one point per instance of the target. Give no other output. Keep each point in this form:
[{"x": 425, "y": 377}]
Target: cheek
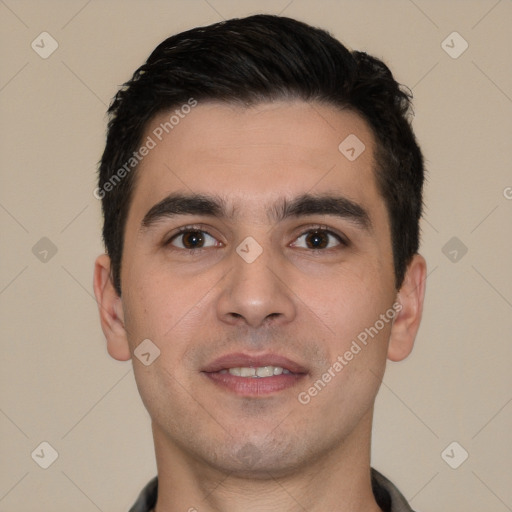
[
  {"x": 157, "y": 301},
  {"x": 164, "y": 311},
  {"x": 157, "y": 384},
  {"x": 357, "y": 354},
  {"x": 347, "y": 301}
]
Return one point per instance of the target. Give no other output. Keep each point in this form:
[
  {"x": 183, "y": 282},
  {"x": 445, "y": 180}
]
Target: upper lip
[{"x": 242, "y": 360}]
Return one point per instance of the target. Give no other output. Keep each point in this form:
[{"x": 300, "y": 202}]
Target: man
[{"x": 261, "y": 189}]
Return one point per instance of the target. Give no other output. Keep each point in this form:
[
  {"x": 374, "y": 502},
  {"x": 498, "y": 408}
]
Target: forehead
[{"x": 253, "y": 156}]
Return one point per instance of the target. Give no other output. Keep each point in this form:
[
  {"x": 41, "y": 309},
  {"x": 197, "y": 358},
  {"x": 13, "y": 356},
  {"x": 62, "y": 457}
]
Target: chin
[{"x": 259, "y": 461}]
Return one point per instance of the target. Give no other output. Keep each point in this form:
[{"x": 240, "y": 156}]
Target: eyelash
[
  {"x": 187, "y": 229},
  {"x": 324, "y": 230},
  {"x": 318, "y": 228}
]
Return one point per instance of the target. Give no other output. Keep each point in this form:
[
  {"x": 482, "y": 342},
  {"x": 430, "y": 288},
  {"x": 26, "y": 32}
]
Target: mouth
[
  {"x": 254, "y": 376},
  {"x": 261, "y": 372}
]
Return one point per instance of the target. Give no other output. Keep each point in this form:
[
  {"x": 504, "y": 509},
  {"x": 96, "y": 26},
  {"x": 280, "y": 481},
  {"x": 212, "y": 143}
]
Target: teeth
[
  {"x": 247, "y": 372},
  {"x": 261, "y": 371},
  {"x": 265, "y": 371}
]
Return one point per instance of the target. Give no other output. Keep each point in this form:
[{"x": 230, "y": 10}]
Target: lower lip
[{"x": 254, "y": 386}]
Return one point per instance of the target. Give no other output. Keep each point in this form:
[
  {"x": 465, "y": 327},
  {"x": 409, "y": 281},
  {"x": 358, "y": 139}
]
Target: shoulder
[
  {"x": 388, "y": 497},
  {"x": 147, "y": 497}
]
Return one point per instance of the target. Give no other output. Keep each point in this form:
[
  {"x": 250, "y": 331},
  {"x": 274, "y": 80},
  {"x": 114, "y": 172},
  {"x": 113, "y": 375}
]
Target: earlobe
[
  {"x": 110, "y": 310},
  {"x": 407, "y": 321}
]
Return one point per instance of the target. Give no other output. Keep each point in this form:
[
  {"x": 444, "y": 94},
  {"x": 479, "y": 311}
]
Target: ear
[
  {"x": 111, "y": 310},
  {"x": 407, "y": 322}
]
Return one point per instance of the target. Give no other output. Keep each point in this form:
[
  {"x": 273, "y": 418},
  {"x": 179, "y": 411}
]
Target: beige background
[{"x": 58, "y": 383}]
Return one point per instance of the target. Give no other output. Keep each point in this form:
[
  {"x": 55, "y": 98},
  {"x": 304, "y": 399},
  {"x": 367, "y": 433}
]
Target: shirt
[{"x": 387, "y": 496}]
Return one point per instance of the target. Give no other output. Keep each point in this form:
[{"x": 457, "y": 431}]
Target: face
[{"x": 256, "y": 257}]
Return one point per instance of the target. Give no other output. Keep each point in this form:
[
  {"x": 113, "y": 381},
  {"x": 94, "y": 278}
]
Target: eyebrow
[{"x": 214, "y": 206}]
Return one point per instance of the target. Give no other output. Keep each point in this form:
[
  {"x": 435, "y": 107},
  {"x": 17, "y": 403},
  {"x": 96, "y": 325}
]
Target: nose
[{"x": 255, "y": 293}]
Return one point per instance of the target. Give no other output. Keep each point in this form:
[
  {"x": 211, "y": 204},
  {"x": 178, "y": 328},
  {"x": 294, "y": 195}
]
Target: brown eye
[
  {"x": 193, "y": 239},
  {"x": 318, "y": 239}
]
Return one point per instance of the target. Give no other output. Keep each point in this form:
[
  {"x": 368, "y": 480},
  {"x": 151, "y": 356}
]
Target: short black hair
[{"x": 264, "y": 58}]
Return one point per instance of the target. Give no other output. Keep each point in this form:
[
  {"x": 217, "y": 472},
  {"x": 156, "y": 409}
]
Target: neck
[{"x": 338, "y": 480}]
